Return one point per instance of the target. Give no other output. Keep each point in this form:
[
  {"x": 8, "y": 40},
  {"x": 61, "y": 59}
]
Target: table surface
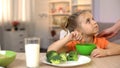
[{"x": 105, "y": 62}]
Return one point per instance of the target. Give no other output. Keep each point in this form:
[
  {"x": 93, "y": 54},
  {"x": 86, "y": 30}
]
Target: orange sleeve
[
  {"x": 71, "y": 45},
  {"x": 101, "y": 42}
]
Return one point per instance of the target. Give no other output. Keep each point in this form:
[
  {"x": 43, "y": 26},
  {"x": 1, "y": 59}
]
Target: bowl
[
  {"x": 6, "y": 57},
  {"x": 85, "y": 49}
]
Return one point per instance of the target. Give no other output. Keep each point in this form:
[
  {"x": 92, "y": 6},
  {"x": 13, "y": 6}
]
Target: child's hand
[
  {"x": 75, "y": 35},
  {"x": 99, "y": 53}
]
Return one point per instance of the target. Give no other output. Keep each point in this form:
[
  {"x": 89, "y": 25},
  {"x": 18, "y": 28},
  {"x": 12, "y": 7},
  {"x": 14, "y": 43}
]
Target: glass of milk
[{"x": 32, "y": 52}]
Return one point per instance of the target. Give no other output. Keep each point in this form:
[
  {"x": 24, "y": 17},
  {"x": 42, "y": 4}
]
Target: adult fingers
[
  {"x": 107, "y": 35},
  {"x": 111, "y": 35},
  {"x": 102, "y": 35}
]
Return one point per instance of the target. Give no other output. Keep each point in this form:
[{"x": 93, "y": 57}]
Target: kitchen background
[{"x": 41, "y": 18}]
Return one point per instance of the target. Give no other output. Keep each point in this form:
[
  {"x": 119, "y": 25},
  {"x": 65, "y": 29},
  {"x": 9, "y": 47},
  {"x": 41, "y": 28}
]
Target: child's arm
[
  {"x": 60, "y": 44},
  {"x": 112, "y": 49}
]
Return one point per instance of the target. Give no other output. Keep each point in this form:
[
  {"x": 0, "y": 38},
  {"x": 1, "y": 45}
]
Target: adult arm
[{"x": 111, "y": 31}]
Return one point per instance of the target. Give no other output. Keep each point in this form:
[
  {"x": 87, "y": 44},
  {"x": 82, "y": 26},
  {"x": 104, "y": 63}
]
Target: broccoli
[
  {"x": 73, "y": 56},
  {"x": 50, "y": 54},
  {"x": 55, "y": 59},
  {"x": 63, "y": 56}
]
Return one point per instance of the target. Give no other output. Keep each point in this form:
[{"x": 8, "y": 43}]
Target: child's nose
[{"x": 94, "y": 22}]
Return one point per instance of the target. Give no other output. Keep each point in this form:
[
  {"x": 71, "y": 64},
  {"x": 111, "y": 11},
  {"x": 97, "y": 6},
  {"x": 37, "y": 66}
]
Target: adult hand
[{"x": 108, "y": 33}]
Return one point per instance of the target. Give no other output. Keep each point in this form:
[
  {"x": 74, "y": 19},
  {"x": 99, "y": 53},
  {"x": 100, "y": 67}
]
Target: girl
[{"x": 83, "y": 24}]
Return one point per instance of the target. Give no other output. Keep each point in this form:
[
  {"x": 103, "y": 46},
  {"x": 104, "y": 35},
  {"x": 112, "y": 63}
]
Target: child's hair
[
  {"x": 71, "y": 23},
  {"x": 64, "y": 22}
]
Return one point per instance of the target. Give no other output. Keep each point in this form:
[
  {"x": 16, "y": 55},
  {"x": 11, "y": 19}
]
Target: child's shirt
[
  {"x": 63, "y": 33},
  {"x": 100, "y": 42}
]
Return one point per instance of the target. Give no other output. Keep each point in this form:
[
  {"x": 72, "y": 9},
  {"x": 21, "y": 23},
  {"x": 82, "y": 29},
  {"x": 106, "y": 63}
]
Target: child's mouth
[{"x": 96, "y": 28}]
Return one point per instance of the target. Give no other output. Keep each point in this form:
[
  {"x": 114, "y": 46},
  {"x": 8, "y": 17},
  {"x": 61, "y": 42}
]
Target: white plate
[{"x": 82, "y": 60}]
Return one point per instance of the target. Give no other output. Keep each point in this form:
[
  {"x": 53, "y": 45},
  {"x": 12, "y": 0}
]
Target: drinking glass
[{"x": 32, "y": 52}]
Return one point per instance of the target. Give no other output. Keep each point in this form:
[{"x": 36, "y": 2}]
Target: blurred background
[{"x": 42, "y": 18}]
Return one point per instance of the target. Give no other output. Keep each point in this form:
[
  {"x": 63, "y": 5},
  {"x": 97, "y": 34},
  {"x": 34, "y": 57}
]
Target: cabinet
[
  {"x": 14, "y": 40},
  {"x": 59, "y": 10},
  {"x": 78, "y": 5}
]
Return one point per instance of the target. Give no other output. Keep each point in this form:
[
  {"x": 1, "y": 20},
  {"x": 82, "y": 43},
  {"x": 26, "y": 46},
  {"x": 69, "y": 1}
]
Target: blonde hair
[
  {"x": 71, "y": 22},
  {"x": 64, "y": 23}
]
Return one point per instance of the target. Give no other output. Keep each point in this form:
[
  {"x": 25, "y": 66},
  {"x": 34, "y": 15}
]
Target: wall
[
  {"x": 107, "y": 25},
  {"x": 42, "y": 22},
  {"x": 0, "y": 36},
  {"x": 106, "y": 10}
]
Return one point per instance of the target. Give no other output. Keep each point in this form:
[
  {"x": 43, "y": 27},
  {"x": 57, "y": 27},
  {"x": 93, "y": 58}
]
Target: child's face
[{"x": 87, "y": 24}]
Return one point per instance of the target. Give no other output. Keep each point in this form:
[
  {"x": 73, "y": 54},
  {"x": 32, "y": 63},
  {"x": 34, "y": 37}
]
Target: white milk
[{"x": 32, "y": 55}]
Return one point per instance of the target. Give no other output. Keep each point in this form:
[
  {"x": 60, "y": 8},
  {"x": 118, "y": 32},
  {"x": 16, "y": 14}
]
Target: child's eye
[
  {"x": 93, "y": 19},
  {"x": 88, "y": 21}
]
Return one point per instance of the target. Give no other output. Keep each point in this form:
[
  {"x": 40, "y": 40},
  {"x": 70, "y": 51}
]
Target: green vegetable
[
  {"x": 50, "y": 54},
  {"x": 63, "y": 56},
  {"x": 55, "y": 59},
  {"x": 73, "y": 56}
]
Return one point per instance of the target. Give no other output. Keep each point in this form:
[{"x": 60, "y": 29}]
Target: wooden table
[{"x": 105, "y": 62}]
